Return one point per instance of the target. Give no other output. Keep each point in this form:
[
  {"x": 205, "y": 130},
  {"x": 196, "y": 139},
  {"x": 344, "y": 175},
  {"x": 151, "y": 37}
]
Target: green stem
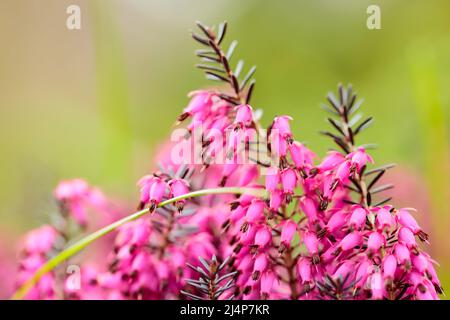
[{"x": 84, "y": 242}]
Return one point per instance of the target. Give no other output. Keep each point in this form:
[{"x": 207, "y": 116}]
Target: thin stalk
[{"x": 84, "y": 242}]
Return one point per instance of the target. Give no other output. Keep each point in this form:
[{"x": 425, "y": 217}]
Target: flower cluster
[
  {"x": 75, "y": 199},
  {"x": 314, "y": 229}
]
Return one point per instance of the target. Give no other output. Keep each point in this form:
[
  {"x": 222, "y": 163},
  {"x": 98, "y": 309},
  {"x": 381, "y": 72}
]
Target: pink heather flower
[
  {"x": 350, "y": 241},
  {"x": 263, "y": 236},
  {"x": 420, "y": 262},
  {"x": 244, "y": 115},
  {"x": 200, "y": 103},
  {"x": 179, "y": 187},
  {"x": 344, "y": 270},
  {"x": 362, "y": 273},
  {"x": 406, "y": 237},
  {"x": 248, "y": 235},
  {"x": 328, "y": 188},
  {"x": 281, "y": 124},
  {"x": 359, "y": 158},
  {"x": 331, "y": 161},
  {"x": 389, "y": 266},
  {"x": 343, "y": 172},
  {"x": 288, "y": 180},
  {"x": 140, "y": 233},
  {"x": 36, "y": 246},
  {"x": 408, "y": 221},
  {"x": 309, "y": 208},
  {"x": 140, "y": 262},
  {"x": 304, "y": 270},
  {"x": 145, "y": 183},
  {"x": 287, "y": 234},
  {"x": 71, "y": 189},
  {"x": 377, "y": 286},
  {"x": 267, "y": 282},
  {"x": 237, "y": 214},
  {"x": 260, "y": 265},
  {"x": 276, "y": 200},
  {"x": 157, "y": 192},
  {"x": 255, "y": 211},
  {"x": 384, "y": 219},
  {"x": 301, "y": 156},
  {"x": 273, "y": 178},
  {"x": 375, "y": 241},
  {"x": 40, "y": 240},
  {"x": 402, "y": 254},
  {"x": 76, "y": 197},
  {"x": 311, "y": 242},
  {"x": 358, "y": 218},
  {"x": 337, "y": 221}
]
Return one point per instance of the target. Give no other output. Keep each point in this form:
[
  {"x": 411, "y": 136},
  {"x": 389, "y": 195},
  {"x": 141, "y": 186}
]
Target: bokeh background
[{"x": 94, "y": 103}]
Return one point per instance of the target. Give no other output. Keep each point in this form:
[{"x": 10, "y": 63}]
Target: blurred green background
[{"x": 95, "y": 102}]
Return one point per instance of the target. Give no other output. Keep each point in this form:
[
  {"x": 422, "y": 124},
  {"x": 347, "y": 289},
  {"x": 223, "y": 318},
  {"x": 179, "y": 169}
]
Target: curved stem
[{"x": 84, "y": 242}]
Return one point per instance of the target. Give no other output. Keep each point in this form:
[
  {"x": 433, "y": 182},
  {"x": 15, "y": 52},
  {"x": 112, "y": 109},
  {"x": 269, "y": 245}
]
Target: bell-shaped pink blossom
[
  {"x": 377, "y": 286},
  {"x": 351, "y": 241},
  {"x": 406, "y": 237},
  {"x": 157, "y": 192},
  {"x": 358, "y": 218},
  {"x": 343, "y": 172},
  {"x": 403, "y": 254},
  {"x": 140, "y": 262},
  {"x": 300, "y": 155},
  {"x": 408, "y": 221},
  {"x": 363, "y": 271},
  {"x": 141, "y": 233},
  {"x": 304, "y": 269},
  {"x": 273, "y": 178},
  {"x": 359, "y": 158},
  {"x": 389, "y": 266},
  {"x": 331, "y": 161},
  {"x": 383, "y": 218},
  {"x": 309, "y": 208},
  {"x": 287, "y": 232},
  {"x": 259, "y": 266},
  {"x": 201, "y": 102},
  {"x": 276, "y": 200},
  {"x": 311, "y": 242},
  {"x": 288, "y": 180},
  {"x": 255, "y": 210},
  {"x": 420, "y": 262},
  {"x": 375, "y": 241},
  {"x": 145, "y": 183},
  {"x": 263, "y": 236},
  {"x": 40, "y": 240},
  {"x": 281, "y": 123},
  {"x": 344, "y": 270},
  {"x": 179, "y": 187},
  {"x": 244, "y": 115},
  {"x": 337, "y": 221},
  {"x": 267, "y": 282}
]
